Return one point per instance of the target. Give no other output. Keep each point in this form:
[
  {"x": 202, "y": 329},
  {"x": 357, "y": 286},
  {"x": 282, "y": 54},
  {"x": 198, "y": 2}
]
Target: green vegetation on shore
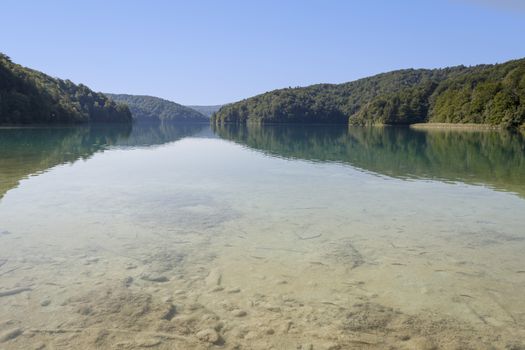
[
  {"x": 28, "y": 96},
  {"x": 154, "y": 109},
  {"x": 484, "y": 94}
]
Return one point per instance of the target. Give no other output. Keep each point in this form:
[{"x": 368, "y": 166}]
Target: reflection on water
[
  {"x": 492, "y": 158},
  {"x": 170, "y": 236},
  {"x": 28, "y": 151},
  {"x": 151, "y": 134}
]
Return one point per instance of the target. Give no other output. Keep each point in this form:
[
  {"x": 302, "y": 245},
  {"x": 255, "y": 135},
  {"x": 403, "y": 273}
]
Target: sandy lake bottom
[{"x": 203, "y": 243}]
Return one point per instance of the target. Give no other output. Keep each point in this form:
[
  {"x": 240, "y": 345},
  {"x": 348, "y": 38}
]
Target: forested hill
[
  {"x": 154, "y": 109},
  {"x": 206, "y": 110},
  {"x": 28, "y": 96},
  {"x": 489, "y": 94}
]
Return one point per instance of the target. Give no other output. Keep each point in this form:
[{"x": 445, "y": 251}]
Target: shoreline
[{"x": 459, "y": 126}]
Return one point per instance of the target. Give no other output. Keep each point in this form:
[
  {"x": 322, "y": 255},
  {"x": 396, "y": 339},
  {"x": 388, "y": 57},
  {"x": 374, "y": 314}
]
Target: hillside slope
[
  {"x": 206, "y": 110},
  {"x": 29, "y": 96},
  {"x": 154, "y": 109},
  {"x": 492, "y": 94}
]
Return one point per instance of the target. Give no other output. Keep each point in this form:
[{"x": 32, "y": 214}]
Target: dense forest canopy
[
  {"x": 154, "y": 109},
  {"x": 28, "y": 96},
  {"x": 488, "y": 94}
]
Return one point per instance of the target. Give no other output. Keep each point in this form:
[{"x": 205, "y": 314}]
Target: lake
[{"x": 261, "y": 237}]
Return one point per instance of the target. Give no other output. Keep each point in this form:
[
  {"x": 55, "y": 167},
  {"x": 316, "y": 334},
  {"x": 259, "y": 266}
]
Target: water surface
[{"x": 163, "y": 236}]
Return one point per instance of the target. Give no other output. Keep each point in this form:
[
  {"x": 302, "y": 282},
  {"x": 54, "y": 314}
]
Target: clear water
[{"x": 284, "y": 237}]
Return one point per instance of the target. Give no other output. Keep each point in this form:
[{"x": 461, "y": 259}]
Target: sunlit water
[{"x": 284, "y": 237}]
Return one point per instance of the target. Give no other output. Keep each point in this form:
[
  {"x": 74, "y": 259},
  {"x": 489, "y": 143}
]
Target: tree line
[
  {"x": 154, "y": 109},
  {"x": 487, "y": 94},
  {"x": 28, "y": 96}
]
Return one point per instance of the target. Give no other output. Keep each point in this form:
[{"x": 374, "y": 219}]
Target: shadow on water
[
  {"x": 28, "y": 151},
  {"x": 492, "y": 158}
]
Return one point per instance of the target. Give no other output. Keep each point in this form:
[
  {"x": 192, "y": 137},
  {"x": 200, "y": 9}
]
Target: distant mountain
[
  {"x": 28, "y": 96},
  {"x": 487, "y": 94},
  {"x": 206, "y": 110},
  {"x": 154, "y": 109}
]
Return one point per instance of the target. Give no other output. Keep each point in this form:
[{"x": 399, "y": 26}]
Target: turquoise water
[{"x": 257, "y": 237}]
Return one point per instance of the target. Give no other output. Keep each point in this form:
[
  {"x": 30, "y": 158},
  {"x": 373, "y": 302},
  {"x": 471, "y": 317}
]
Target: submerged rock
[
  {"x": 305, "y": 347},
  {"x": 91, "y": 260},
  {"x": 130, "y": 266},
  {"x": 10, "y": 334},
  {"x": 169, "y": 313},
  {"x": 154, "y": 278},
  {"x": 148, "y": 343},
  {"x": 85, "y": 310},
  {"x": 239, "y": 313},
  {"x": 39, "y": 346},
  {"x": 209, "y": 335},
  {"x": 14, "y": 291},
  {"x": 214, "y": 278},
  {"x": 127, "y": 281},
  {"x": 423, "y": 344}
]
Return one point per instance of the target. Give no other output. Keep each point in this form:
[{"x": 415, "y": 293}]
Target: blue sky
[{"x": 212, "y": 52}]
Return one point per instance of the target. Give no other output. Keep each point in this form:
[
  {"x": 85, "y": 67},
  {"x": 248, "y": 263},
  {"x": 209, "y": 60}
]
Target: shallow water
[{"x": 309, "y": 237}]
